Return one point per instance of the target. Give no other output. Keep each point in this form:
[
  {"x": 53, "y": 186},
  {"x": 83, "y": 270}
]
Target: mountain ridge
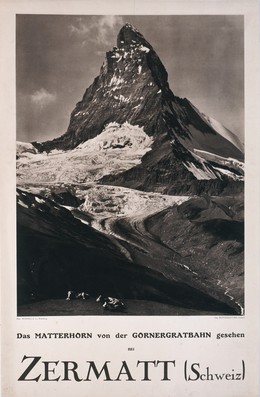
[{"x": 127, "y": 69}]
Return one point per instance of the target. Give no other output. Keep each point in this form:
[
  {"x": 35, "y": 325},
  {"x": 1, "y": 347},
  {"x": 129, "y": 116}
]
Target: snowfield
[
  {"x": 218, "y": 127},
  {"x": 105, "y": 201},
  {"x": 24, "y": 148},
  {"x": 106, "y": 204},
  {"x": 118, "y": 148},
  {"x": 216, "y": 171},
  {"x": 225, "y": 161}
]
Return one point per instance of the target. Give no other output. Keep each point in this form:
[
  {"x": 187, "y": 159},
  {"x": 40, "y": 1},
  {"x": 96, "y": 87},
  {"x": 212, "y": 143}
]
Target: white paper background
[{"x": 220, "y": 355}]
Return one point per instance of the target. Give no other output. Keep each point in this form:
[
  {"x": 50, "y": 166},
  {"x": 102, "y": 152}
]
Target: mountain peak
[
  {"x": 129, "y": 35},
  {"x": 133, "y": 87},
  {"x": 128, "y": 25}
]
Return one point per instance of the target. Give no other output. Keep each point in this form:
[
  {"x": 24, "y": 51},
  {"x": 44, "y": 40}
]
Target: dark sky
[{"x": 58, "y": 57}]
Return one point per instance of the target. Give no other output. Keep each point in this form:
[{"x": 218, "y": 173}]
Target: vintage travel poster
[{"x": 130, "y": 220}]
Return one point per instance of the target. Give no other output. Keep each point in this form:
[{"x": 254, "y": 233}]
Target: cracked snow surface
[{"x": 118, "y": 148}]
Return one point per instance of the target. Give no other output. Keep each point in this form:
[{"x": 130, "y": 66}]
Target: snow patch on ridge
[
  {"x": 116, "y": 81},
  {"x": 200, "y": 173},
  {"x": 226, "y": 161},
  {"x": 211, "y": 166},
  {"x": 25, "y": 147},
  {"x": 144, "y": 49},
  {"x": 121, "y": 98}
]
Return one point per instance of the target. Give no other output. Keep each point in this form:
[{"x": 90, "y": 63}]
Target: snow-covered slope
[
  {"x": 104, "y": 201},
  {"x": 206, "y": 166},
  {"x": 23, "y": 148},
  {"x": 223, "y": 131},
  {"x": 116, "y": 149}
]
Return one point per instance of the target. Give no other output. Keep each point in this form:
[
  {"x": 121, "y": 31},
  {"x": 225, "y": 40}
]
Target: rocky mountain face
[
  {"x": 132, "y": 87},
  {"x": 127, "y": 89}
]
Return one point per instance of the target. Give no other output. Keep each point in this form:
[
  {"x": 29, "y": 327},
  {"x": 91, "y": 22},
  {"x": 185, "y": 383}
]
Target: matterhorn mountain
[
  {"x": 132, "y": 90},
  {"x": 139, "y": 174}
]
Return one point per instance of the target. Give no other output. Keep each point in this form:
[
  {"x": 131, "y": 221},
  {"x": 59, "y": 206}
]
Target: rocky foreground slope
[{"x": 187, "y": 253}]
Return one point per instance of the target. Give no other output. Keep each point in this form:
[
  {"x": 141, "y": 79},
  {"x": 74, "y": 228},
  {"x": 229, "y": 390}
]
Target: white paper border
[{"x": 10, "y": 324}]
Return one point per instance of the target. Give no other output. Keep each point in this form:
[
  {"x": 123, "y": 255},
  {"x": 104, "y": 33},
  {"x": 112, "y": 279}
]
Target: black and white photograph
[
  {"x": 130, "y": 198},
  {"x": 130, "y": 165}
]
